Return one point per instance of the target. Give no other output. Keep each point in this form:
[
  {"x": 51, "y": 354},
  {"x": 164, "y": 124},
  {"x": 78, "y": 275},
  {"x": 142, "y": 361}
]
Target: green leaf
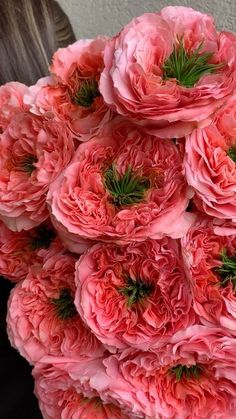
[
  {"x": 188, "y": 68},
  {"x": 232, "y": 153},
  {"x": 183, "y": 371},
  {"x": 87, "y": 93},
  {"x": 127, "y": 189},
  {"x": 27, "y": 164},
  {"x": 136, "y": 290},
  {"x": 64, "y": 305},
  {"x": 227, "y": 271}
]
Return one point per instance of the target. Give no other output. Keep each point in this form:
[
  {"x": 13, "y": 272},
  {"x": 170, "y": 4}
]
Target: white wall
[{"x": 105, "y": 17}]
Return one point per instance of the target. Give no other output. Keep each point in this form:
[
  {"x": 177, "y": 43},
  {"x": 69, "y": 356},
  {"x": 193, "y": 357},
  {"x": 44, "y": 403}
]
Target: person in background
[{"x": 30, "y": 32}]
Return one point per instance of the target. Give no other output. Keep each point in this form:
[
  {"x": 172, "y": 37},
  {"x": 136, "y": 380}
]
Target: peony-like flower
[
  {"x": 61, "y": 396},
  {"x": 210, "y": 164},
  {"x": 211, "y": 265},
  {"x": 42, "y": 318},
  {"x": 11, "y": 102},
  {"x": 33, "y": 152},
  {"x": 169, "y": 71},
  {"x": 122, "y": 186},
  {"x": 135, "y": 295},
  {"x": 71, "y": 94},
  {"x": 192, "y": 377},
  {"x": 21, "y": 250}
]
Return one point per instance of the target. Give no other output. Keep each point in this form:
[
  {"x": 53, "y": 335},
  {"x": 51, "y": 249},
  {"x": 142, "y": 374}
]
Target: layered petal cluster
[
  {"x": 169, "y": 71},
  {"x": 71, "y": 93},
  {"x": 33, "y": 152},
  {"x": 122, "y": 186},
  {"x": 21, "y": 250},
  {"x": 61, "y": 396},
  {"x": 192, "y": 377},
  {"x": 210, "y": 164},
  {"x": 211, "y": 266},
  {"x": 11, "y": 102},
  {"x": 135, "y": 295},
  {"x": 42, "y": 319}
]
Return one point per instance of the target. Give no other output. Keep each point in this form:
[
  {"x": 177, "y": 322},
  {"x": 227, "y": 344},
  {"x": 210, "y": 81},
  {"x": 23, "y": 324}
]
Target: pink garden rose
[
  {"x": 135, "y": 295},
  {"x": 211, "y": 266},
  {"x": 42, "y": 318},
  {"x": 11, "y": 102},
  {"x": 193, "y": 377},
  {"x": 169, "y": 71},
  {"x": 33, "y": 152},
  {"x": 122, "y": 186},
  {"x": 71, "y": 94},
  {"x": 21, "y": 250},
  {"x": 61, "y": 396},
  {"x": 210, "y": 164}
]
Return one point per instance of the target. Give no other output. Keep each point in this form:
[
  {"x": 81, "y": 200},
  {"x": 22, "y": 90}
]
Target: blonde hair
[{"x": 30, "y": 32}]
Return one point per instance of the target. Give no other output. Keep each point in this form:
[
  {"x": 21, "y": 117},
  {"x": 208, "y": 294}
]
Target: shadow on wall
[{"x": 106, "y": 17}]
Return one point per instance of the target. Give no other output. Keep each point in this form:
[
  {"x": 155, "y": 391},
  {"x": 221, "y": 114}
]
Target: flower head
[
  {"x": 135, "y": 295},
  {"x": 122, "y": 186},
  {"x": 192, "y": 377},
  {"x": 33, "y": 153},
  {"x": 169, "y": 71},
  {"x": 211, "y": 264},
  {"x": 71, "y": 94},
  {"x": 61, "y": 393},
  {"x": 42, "y": 318},
  {"x": 210, "y": 164}
]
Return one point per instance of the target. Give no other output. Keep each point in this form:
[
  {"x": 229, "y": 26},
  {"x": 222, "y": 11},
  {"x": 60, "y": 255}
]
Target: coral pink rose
[
  {"x": 210, "y": 164},
  {"x": 211, "y": 265},
  {"x": 11, "y": 102},
  {"x": 33, "y": 153},
  {"x": 20, "y": 250},
  {"x": 71, "y": 94},
  {"x": 169, "y": 71},
  {"x": 122, "y": 186},
  {"x": 61, "y": 396},
  {"x": 135, "y": 295},
  {"x": 192, "y": 377},
  {"x": 42, "y": 319}
]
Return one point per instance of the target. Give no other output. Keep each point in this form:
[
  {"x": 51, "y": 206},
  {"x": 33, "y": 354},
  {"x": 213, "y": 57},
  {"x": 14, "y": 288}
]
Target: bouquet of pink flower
[{"x": 118, "y": 222}]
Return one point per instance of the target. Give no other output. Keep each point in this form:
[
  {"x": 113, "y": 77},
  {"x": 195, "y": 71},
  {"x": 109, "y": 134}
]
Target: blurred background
[{"x": 106, "y": 17}]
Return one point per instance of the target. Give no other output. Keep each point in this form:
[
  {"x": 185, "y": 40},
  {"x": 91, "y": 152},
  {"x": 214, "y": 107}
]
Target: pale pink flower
[
  {"x": 33, "y": 152},
  {"x": 61, "y": 396},
  {"x": 210, "y": 263},
  {"x": 42, "y": 319},
  {"x": 135, "y": 295},
  {"x": 87, "y": 202},
  {"x": 193, "y": 377},
  {"x": 71, "y": 94},
  {"x": 210, "y": 164},
  {"x": 11, "y": 102},
  {"x": 136, "y": 83}
]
